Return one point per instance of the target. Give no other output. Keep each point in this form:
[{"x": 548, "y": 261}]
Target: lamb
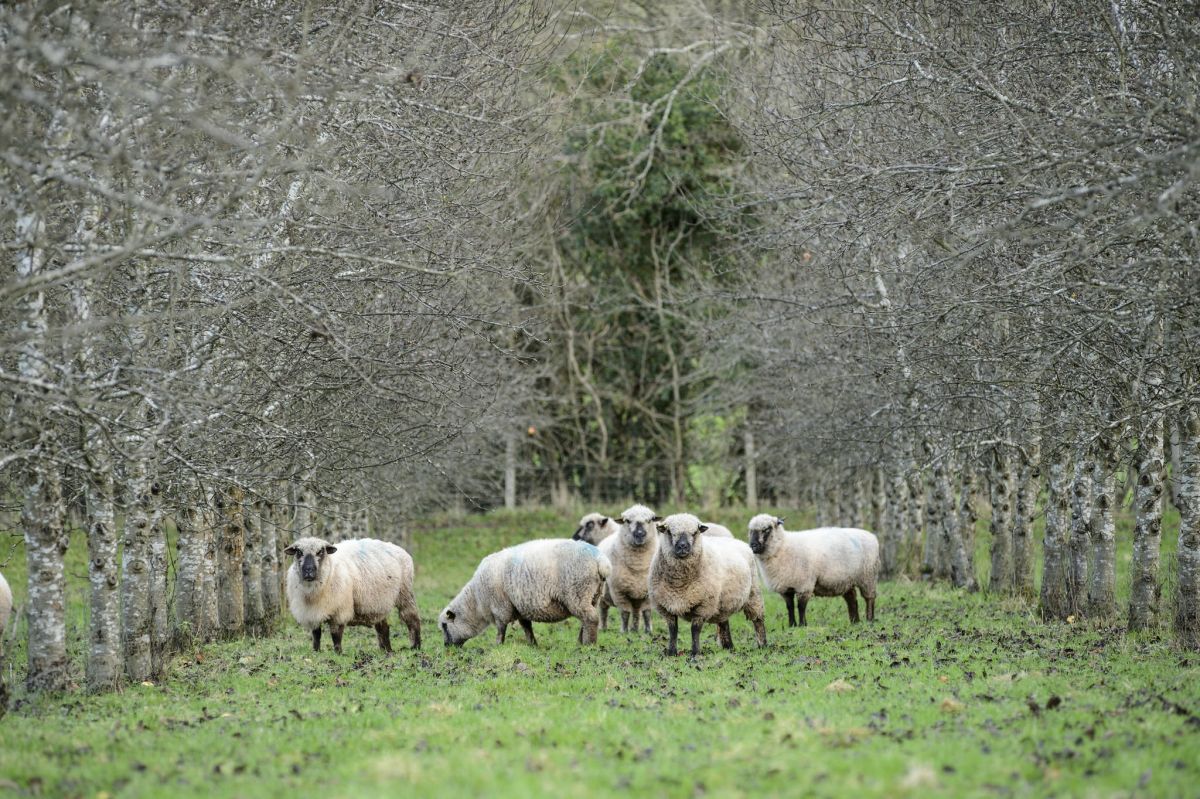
[
  {"x": 631, "y": 552},
  {"x": 355, "y": 583},
  {"x": 594, "y": 528},
  {"x": 546, "y": 580},
  {"x": 827, "y": 561},
  {"x": 703, "y": 581}
]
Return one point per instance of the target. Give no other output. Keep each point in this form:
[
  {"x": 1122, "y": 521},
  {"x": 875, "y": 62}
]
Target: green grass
[{"x": 946, "y": 695}]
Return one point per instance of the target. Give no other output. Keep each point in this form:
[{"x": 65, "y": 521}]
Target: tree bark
[
  {"x": 1000, "y": 488},
  {"x": 897, "y": 490},
  {"x": 1187, "y": 603},
  {"x": 252, "y": 577},
  {"x": 270, "y": 566},
  {"x": 1102, "y": 601},
  {"x": 104, "y": 624},
  {"x": 160, "y": 612},
  {"x": 1147, "y": 529},
  {"x": 1054, "y": 595},
  {"x": 136, "y": 612},
  {"x": 45, "y": 549},
  {"x": 1029, "y": 480},
  {"x": 914, "y": 515},
  {"x": 510, "y": 471},
  {"x": 967, "y": 515},
  {"x": 751, "y": 468},
  {"x": 195, "y": 583},
  {"x": 231, "y": 549},
  {"x": 1081, "y": 530}
]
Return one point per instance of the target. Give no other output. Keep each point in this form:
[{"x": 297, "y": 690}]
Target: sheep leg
[
  {"x": 501, "y": 631},
  {"x": 870, "y": 607},
  {"x": 604, "y": 606},
  {"x": 635, "y": 619},
  {"x": 697, "y": 628},
  {"x": 672, "y": 635},
  {"x": 790, "y": 598},
  {"x": 802, "y": 607},
  {"x": 527, "y": 626},
  {"x": 384, "y": 633},
  {"x": 317, "y": 640},
  {"x": 724, "y": 635},
  {"x": 852, "y": 605},
  {"x": 588, "y": 625},
  {"x": 335, "y": 632},
  {"x": 646, "y": 619},
  {"x": 624, "y": 621},
  {"x": 411, "y": 618}
]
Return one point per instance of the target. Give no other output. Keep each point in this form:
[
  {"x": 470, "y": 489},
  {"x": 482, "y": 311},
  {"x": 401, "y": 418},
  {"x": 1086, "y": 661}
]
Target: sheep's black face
[
  {"x": 637, "y": 533},
  {"x": 588, "y": 531},
  {"x": 309, "y": 554},
  {"x": 308, "y": 568},
  {"x": 758, "y": 540},
  {"x": 682, "y": 543},
  {"x": 445, "y": 621}
]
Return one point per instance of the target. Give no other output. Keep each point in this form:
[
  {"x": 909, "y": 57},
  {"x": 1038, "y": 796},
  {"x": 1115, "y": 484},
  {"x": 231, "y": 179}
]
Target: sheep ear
[
  {"x": 656, "y": 519},
  {"x": 702, "y": 528},
  {"x": 330, "y": 549},
  {"x": 450, "y": 615},
  {"x": 604, "y": 521},
  {"x": 779, "y": 521},
  {"x": 662, "y": 528},
  {"x": 291, "y": 551}
]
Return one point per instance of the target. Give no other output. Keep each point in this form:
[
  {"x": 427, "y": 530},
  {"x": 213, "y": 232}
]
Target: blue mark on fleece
[{"x": 590, "y": 549}]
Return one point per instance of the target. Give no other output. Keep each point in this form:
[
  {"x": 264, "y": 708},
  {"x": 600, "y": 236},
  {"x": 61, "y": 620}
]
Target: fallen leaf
[
  {"x": 952, "y": 705},
  {"x": 839, "y": 686}
]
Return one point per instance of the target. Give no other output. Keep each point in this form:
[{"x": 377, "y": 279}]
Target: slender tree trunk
[
  {"x": 1187, "y": 603},
  {"x": 270, "y": 566},
  {"x": 45, "y": 549},
  {"x": 104, "y": 626},
  {"x": 915, "y": 516},
  {"x": 510, "y": 471},
  {"x": 1000, "y": 487},
  {"x": 231, "y": 549},
  {"x": 751, "y": 469},
  {"x": 252, "y": 578},
  {"x": 1081, "y": 531},
  {"x": 1102, "y": 601},
  {"x": 160, "y": 612},
  {"x": 962, "y": 571},
  {"x": 1147, "y": 529},
  {"x": 1054, "y": 603},
  {"x": 136, "y": 612},
  {"x": 1029, "y": 479},
  {"x": 967, "y": 515},
  {"x": 935, "y": 521},
  {"x": 897, "y": 490},
  {"x": 878, "y": 503},
  {"x": 1177, "y": 436},
  {"x": 195, "y": 584}
]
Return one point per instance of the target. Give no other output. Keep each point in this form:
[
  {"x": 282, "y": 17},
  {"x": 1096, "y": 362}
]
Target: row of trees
[{"x": 261, "y": 274}]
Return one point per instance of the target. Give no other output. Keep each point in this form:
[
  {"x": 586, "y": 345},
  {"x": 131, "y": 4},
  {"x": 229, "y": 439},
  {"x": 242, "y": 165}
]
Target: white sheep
[
  {"x": 631, "y": 552},
  {"x": 355, "y": 583},
  {"x": 827, "y": 561},
  {"x": 703, "y": 581},
  {"x": 546, "y": 580},
  {"x": 717, "y": 530},
  {"x": 594, "y": 528}
]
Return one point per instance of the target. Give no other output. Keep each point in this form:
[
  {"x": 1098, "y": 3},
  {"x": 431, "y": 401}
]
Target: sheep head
[
  {"x": 761, "y": 528},
  {"x": 310, "y": 555},
  {"x": 679, "y": 535},
  {"x": 637, "y": 524},
  {"x": 590, "y": 527}
]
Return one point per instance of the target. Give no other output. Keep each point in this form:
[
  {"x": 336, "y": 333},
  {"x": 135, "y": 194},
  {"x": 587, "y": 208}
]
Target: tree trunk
[
  {"x": 967, "y": 515},
  {"x": 751, "y": 469},
  {"x": 45, "y": 549},
  {"x": 1147, "y": 529},
  {"x": 195, "y": 583},
  {"x": 160, "y": 613},
  {"x": 897, "y": 489},
  {"x": 252, "y": 577},
  {"x": 1029, "y": 479},
  {"x": 270, "y": 566},
  {"x": 914, "y": 516},
  {"x": 1054, "y": 596},
  {"x": 510, "y": 471},
  {"x": 231, "y": 548},
  {"x": 104, "y": 624},
  {"x": 1000, "y": 488},
  {"x": 136, "y": 612},
  {"x": 962, "y": 571},
  {"x": 878, "y": 502},
  {"x": 1081, "y": 531},
  {"x": 935, "y": 520},
  {"x": 1102, "y": 601},
  {"x": 1187, "y": 603}
]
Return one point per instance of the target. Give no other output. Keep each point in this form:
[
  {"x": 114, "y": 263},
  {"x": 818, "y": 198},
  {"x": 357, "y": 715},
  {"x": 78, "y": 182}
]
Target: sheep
[
  {"x": 546, "y": 580},
  {"x": 717, "y": 530},
  {"x": 827, "y": 561},
  {"x": 355, "y": 583},
  {"x": 631, "y": 552},
  {"x": 594, "y": 528},
  {"x": 703, "y": 581}
]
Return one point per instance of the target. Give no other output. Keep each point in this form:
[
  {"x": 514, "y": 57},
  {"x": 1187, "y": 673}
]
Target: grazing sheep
[
  {"x": 355, "y": 583},
  {"x": 703, "y": 581},
  {"x": 594, "y": 528},
  {"x": 547, "y": 580},
  {"x": 827, "y": 561},
  {"x": 631, "y": 552}
]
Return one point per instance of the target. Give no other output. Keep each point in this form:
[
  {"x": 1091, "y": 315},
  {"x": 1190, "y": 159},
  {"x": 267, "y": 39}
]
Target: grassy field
[{"x": 945, "y": 695}]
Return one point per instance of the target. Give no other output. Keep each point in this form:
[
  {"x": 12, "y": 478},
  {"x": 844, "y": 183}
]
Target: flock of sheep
[{"x": 637, "y": 563}]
